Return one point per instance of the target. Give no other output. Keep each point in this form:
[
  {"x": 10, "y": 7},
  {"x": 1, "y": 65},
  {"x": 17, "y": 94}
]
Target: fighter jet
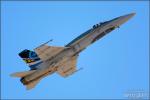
[{"x": 46, "y": 60}]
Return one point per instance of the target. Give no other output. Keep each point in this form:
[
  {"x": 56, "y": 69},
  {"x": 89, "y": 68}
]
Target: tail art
[{"x": 31, "y": 58}]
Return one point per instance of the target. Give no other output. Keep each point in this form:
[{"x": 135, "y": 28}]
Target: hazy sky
[{"x": 112, "y": 66}]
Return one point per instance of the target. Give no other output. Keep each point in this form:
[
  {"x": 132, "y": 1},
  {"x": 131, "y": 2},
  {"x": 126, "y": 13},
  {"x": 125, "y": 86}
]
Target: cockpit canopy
[{"x": 103, "y": 23}]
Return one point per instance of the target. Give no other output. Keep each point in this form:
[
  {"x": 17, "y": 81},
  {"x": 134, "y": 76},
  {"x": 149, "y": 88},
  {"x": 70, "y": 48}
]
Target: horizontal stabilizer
[
  {"x": 22, "y": 74},
  {"x": 32, "y": 84}
]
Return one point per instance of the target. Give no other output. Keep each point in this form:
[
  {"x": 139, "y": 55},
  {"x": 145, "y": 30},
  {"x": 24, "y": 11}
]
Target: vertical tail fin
[{"x": 31, "y": 58}]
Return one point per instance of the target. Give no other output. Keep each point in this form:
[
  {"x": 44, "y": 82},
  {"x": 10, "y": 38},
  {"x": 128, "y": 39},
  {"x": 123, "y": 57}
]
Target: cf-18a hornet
[{"x": 46, "y": 60}]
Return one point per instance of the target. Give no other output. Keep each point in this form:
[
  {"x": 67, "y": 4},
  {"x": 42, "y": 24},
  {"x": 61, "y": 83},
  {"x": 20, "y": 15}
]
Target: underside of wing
[
  {"x": 68, "y": 68},
  {"x": 45, "y": 51}
]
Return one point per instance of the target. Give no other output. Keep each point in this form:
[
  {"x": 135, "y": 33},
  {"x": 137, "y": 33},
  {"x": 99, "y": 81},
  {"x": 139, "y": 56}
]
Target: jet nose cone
[
  {"x": 128, "y": 16},
  {"x": 122, "y": 19}
]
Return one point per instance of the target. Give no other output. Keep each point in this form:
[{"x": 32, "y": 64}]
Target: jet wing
[
  {"x": 44, "y": 52},
  {"x": 68, "y": 68}
]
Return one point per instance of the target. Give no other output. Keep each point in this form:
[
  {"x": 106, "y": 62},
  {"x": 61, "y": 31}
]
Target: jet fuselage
[{"x": 74, "y": 48}]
